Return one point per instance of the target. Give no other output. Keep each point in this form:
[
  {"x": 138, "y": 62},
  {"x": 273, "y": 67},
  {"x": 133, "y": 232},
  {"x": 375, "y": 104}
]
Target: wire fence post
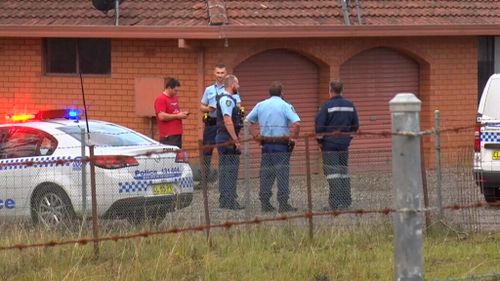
[
  {"x": 84, "y": 173},
  {"x": 204, "y": 188},
  {"x": 407, "y": 187},
  {"x": 95, "y": 229},
  {"x": 309, "y": 193},
  {"x": 246, "y": 165},
  {"x": 437, "y": 143}
]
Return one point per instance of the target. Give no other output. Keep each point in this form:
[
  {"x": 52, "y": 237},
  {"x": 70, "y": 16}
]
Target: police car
[
  {"x": 487, "y": 141},
  {"x": 44, "y": 175}
]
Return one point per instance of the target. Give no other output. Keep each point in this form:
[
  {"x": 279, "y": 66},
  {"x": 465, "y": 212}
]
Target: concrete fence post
[{"x": 407, "y": 187}]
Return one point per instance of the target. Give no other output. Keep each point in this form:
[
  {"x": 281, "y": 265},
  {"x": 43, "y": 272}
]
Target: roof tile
[{"x": 251, "y": 13}]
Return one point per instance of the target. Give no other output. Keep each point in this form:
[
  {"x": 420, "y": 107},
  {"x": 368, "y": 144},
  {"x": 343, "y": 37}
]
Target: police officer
[
  {"x": 336, "y": 120},
  {"x": 274, "y": 116},
  {"x": 228, "y": 145},
  {"x": 208, "y": 107}
]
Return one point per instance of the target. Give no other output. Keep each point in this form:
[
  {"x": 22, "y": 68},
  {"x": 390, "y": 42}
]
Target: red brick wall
[{"x": 448, "y": 76}]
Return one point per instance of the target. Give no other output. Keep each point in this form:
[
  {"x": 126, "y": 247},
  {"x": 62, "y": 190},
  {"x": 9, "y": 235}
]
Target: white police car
[
  {"x": 41, "y": 171},
  {"x": 487, "y": 141}
]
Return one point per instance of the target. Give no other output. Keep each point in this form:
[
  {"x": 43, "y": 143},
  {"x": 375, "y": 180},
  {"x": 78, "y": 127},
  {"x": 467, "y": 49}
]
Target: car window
[
  {"x": 108, "y": 135},
  {"x": 4, "y": 132},
  {"x": 27, "y": 142},
  {"x": 492, "y": 100}
]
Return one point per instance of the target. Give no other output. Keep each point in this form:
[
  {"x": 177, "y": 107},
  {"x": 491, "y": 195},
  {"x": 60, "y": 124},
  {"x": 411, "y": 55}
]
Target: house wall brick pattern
[{"x": 448, "y": 76}]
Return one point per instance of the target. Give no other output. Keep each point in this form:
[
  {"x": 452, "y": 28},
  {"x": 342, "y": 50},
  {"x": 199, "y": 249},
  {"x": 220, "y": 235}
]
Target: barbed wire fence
[{"x": 450, "y": 190}]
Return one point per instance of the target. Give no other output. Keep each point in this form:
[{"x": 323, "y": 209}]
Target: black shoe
[
  {"x": 286, "y": 208},
  {"x": 267, "y": 207},
  {"x": 232, "y": 206}
]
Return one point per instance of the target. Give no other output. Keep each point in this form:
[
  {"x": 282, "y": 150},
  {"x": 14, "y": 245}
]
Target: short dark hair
[
  {"x": 220, "y": 65},
  {"x": 336, "y": 87},
  {"x": 275, "y": 89},
  {"x": 229, "y": 80},
  {"x": 171, "y": 82}
]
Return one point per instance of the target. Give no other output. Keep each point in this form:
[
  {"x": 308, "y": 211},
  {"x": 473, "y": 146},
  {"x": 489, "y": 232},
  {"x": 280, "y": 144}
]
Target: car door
[{"x": 21, "y": 148}]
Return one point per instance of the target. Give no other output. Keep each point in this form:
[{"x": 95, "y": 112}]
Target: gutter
[{"x": 241, "y": 32}]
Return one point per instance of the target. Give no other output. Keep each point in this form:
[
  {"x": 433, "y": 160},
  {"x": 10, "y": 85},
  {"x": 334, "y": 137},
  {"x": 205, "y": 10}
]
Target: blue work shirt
[
  {"x": 210, "y": 97},
  {"x": 274, "y": 115}
]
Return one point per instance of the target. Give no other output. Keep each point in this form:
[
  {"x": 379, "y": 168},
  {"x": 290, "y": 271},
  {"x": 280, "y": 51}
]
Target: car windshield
[
  {"x": 108, "y": 135},
  {"x": 492, "y": 100}
]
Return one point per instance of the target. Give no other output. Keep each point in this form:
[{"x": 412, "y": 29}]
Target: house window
[
  {"x": 485, "y": 62},
  {"x": 74, "y": 56}
]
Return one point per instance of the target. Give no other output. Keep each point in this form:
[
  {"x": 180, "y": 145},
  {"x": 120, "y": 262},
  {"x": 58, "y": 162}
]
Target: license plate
[
  {"x": 163, "y": 189},
  {"x": 496, "y": 155}
]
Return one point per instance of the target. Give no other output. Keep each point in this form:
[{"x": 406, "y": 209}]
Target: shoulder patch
[
  {"x": 229, "y": 102},
  {"x": 293, "y": 108}
]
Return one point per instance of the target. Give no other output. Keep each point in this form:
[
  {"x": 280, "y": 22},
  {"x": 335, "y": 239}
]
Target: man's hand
[{"x": 182, "y": 114}]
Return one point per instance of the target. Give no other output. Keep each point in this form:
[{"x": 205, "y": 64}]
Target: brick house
[{"x": 440, "y": 50}]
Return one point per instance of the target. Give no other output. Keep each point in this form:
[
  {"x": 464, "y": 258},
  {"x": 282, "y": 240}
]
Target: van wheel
[{"x": 51, "y": 207}]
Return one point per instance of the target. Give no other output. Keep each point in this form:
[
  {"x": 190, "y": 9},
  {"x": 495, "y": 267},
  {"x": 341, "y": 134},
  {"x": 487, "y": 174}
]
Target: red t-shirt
[{"x": 164, "y": 103}]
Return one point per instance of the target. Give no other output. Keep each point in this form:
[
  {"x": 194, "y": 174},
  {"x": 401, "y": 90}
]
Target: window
[
  {"x": 26, "y": 142},
  {"x": 72, "y": 56},
  {"x": 485, "y": 63}
]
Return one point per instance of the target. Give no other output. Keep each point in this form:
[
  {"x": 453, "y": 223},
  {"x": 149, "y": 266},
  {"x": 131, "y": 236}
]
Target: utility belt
[
  {"x": 209, "y": 121},
  {"x": 278, "y": 140}
]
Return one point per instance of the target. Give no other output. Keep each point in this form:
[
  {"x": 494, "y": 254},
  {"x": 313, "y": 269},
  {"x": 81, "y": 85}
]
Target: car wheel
[{"x": 51, "y": 207}]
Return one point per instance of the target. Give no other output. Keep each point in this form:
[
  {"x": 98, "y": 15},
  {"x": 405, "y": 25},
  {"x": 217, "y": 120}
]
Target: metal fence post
[
  {"x": 309, "y": 192},
  {"x": 204, "y": 188},
  {"x": 407, "y": 187},
  {"x": 437, "y": 134},
  {"x": 84, "y": 173},
  {"x": 95, "y": 224},
  {"x": 246, "y": 165}
]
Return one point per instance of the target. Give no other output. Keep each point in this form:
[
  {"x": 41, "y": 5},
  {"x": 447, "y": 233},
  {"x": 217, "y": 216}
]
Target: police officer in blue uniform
[
  {"x": 208, "y": 106},
  {"x": 274, "y": 116},
  {"x": 335, "y": 122},
  {"x": 228, "y": 145}
]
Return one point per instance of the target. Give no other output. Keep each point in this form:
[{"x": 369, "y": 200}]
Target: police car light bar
[
  {"x": 71, "y": 114},
  {"x": 20, "y": 117}
]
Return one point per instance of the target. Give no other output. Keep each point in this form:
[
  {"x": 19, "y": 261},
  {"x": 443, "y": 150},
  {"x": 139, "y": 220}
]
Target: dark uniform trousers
[
  {"x": 275, "y": 164},
  {"x": 209, "y": 133},
  {"x": 335, "y": 161},
  {"x": 229, "y": 163}
]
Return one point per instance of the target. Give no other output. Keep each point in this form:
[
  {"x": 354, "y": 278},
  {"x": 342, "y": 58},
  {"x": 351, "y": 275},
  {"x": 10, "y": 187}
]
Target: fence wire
[{"x": 265, "y": 184}]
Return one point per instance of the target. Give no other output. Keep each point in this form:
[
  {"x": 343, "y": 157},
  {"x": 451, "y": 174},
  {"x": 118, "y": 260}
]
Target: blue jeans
[
  {"x": 335, "y": 161},
  {"x": 229, "y": 163},
  {"x": 275, "y": 164}
]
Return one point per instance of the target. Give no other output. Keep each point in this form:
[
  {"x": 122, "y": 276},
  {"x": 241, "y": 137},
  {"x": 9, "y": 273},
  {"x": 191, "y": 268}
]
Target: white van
[{"x": 487, "y": 141}]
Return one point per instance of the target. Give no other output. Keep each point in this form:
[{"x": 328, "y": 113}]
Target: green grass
[{"x": 252, "y": 253}]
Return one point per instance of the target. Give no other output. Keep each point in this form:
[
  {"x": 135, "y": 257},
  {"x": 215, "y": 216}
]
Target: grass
[{"x": 252, "y": 253}]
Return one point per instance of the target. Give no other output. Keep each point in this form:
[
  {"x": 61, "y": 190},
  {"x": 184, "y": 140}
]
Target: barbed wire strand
[{"x": 229, "y": 224}]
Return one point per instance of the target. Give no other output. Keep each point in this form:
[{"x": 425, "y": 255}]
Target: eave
[{"x": 228, "y": 31}]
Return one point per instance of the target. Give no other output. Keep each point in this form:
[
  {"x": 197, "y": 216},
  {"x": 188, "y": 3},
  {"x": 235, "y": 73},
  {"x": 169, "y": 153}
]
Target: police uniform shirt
[
  {"x": 210, "y": 97},
  {"x": 227, "y": 104},
  {"x": 274, "y": 115}
]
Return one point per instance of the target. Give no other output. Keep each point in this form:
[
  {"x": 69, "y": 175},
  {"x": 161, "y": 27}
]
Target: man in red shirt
[{"x": 169, "y": 115}]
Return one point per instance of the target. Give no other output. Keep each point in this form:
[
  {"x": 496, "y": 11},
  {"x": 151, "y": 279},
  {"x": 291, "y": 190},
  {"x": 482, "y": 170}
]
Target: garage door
[
  {"x": 371, "y": 79},
  {"x": 300, "y": 78}
]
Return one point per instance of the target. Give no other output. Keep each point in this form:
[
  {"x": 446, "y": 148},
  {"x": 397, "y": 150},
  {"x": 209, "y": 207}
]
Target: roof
[{"x": 211, "y": 19}]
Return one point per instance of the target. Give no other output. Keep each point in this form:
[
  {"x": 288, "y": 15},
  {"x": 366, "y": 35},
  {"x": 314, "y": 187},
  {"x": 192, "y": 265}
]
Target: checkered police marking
[
  {"x": 185, "y": 182},
  {"x": 135, "y": 186},
  {"x": 38, "y": 162},
  {"x": 490, "y": 136}
]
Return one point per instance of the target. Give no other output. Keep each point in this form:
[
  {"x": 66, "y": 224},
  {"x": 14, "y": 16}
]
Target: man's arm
[
  {"x": 172, "y": 116},
  {"x": 228, "y": 122},
  {"x": 295, "y": 130},
  {"x": 205, "y": 108}
]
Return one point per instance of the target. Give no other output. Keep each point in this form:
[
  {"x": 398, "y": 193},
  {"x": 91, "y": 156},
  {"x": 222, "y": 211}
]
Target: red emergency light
[{"x": 71, "y": 114}]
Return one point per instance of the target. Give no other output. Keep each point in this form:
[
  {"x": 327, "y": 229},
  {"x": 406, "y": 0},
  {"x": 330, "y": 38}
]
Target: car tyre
[{"x": 51, "y": 207}]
